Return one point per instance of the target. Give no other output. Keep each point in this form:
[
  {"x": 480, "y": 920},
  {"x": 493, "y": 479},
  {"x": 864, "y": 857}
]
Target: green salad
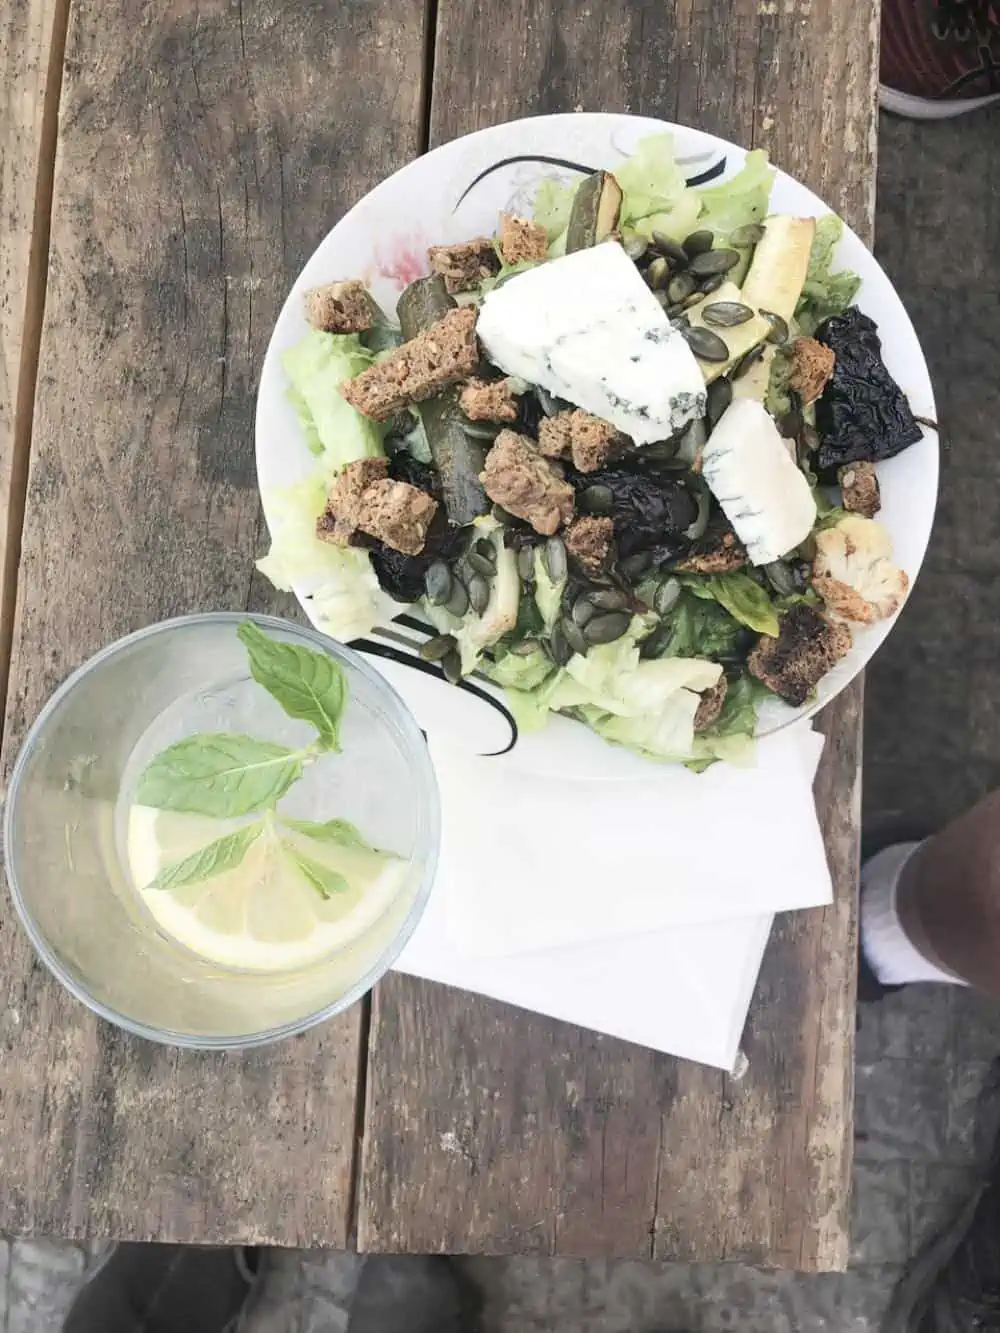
[{"x": 620, "y": 456}]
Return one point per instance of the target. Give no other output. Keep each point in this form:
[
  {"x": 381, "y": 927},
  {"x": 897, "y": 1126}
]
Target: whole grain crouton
[
  {"x": 443, "y": 354},
  {"x": 488, "y": 400},
  {"x": 812, "y": 366},
  {"x": 717, "y": 552},
  {"x": 527, "y": 485},
  {"x": 339, "y": 519},
  {"x": 807, "y": 646},
  {"x": 340, "y": 307},
  {"x": 711, "y": 705},
  {"x": 588, "y": 440},
  {"x": 398, "y": 514},
  {"x": 589, "y": 541},
  {"x": 860, "y": 489},
  {"x": 522, "y": 240},
  {"x": 465, "y": 265}
]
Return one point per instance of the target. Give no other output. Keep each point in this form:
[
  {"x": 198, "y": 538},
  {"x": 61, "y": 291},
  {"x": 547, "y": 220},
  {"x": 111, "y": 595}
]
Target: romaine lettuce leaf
[
  {"x": 825, "y": 293},
  {"x": 655, "y": 192},
  {"x": 316, "y": 367},
  {"x": 745, "y": 600},
  {"x": 344, "y": 593},
  {"x": 553, "y": 202},
  {"x": 736, "y": 203},
  {"x": 731, "y": 736}
]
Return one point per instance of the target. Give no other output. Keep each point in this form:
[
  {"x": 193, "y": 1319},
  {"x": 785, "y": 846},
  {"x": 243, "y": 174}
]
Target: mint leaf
[
  {"x": 219, "y": 774},
  {"x": 340, "y": 832},
  {"x": 325, "y": 881},
  {"x": 307, "y": 684},
  {"x": 213, "y": 859}
]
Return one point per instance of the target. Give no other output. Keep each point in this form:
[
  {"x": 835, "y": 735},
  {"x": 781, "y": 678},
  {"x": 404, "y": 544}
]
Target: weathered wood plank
[
  {"x": 32, "y": 33},
  {"x": 489, "y": 1129},
  {"x": 203, "y": 151}
]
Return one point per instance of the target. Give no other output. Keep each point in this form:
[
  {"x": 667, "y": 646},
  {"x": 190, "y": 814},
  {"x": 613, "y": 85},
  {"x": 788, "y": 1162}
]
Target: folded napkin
[{"x": 593, "y": 896}]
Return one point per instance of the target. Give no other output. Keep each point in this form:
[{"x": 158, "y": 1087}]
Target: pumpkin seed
[
  {"x": 672, "y": 310},
  {"x": 458, "y": 603},
  {"x": 780, "y": 578},
  {"x": 698, "y": 243},
  {"x": 486, "y": 549},
  {"x": 634, "y": 566},
  {"x": 720, "y": 395},
  {"x": 660, "y": 452},
  {"x": 711, "y": 262},
  {"x": 706, "y": 344},
  {"x": 681, "y": 288},
  {"x": 583, "y": 610},
  {"x": 574, "y": 636},
  {"x": 607, "y": 599},
  {"x": 694, "y": 299},
  {"x": 666, "y": 595},
  {"x": 452, "y": 668},
  {"x": 669, "y": 247},
  {"x": 525, "y": 648},
  {"x": 568, "y": 600},
  {"x": 693, "y": 439},
  {"x": 559, "y": 646},
  {"x": 779, "y": 328},
  {"x": 479, "y": 594},
  {"x": 751, "y": 233},
  {"x": 440, "y": 646},
  {"x": 726, "y": 314},
  {"x": 711, "y": 284},
  {"x": 607, "y": 628},
  {"x": 635, "y": 247},
  {"x": 437, "y": 583},
  {"x": 746, "y": 361},
  {"x": 597, "y": 499},
  {"x": 549, "y": 405},
  {"x": 526, "y": 564},
  {"x": 554, "y": 558},
  {"x": 479, "y": 563},
  {"x": 482, "y": 430},
  {"x": 658, "y": 273},
  {"x": 501, "y": 515},
  {"x": 810, "y": 438}
]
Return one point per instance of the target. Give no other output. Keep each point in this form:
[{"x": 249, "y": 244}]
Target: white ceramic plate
[{"x": 458, "y": 191}]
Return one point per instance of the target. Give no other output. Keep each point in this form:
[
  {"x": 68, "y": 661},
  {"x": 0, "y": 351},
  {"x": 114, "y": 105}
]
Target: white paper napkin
[
  {"x": 683, "y": 988},
  {"x": 541, "y": 862}
]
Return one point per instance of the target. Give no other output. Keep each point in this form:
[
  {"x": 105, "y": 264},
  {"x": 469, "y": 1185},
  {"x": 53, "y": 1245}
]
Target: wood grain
[
  {"x": 489, "y": 1129},
  {"x": 32, "y": 35},
  {"x": 203, "y": 152}
]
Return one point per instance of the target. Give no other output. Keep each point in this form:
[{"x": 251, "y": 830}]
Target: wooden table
[{"x": 166, "y": 169}]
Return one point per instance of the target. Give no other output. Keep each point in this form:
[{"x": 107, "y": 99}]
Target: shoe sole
[{"x": 924, "y": 108}]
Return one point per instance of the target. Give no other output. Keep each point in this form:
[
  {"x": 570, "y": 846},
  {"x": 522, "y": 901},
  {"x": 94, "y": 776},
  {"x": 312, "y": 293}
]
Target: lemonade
[{"x": 220, "y": 831}]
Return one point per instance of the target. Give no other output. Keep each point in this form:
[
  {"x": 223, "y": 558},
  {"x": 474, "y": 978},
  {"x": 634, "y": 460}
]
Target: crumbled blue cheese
[
  {"x": 751, "y": 473},
  {"x": 588, "y": 329}
]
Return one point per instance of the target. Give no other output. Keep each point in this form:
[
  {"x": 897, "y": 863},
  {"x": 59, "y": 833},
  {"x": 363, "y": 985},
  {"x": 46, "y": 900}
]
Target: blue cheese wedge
[
  {"x": 588, "y": 329},
  {"x": 750, "y": 471}
]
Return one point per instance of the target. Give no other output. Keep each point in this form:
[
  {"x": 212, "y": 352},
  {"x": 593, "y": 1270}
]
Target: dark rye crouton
[
  {"x": 589, "y": 542},
  {"x": 521, "y": 240},
  {"x": 527, "y": 485},
  {"x": 465, "y": 265},
  {"x": 443, "y": 354},
  {"x": 398, "y": 514},
  {"x": 860, "y": 489},
  {"x": 812, "y": 366},
  {"x": 807, "y": 646},
  {"x": 588, "y": 440},
  {"x": 711, "y": 705},
  {"x": 488, "y": 400},
  {"x": 716, "y": 553},
  {"x": 340, "y": 307},
  {"x": 339, "y": 519}
]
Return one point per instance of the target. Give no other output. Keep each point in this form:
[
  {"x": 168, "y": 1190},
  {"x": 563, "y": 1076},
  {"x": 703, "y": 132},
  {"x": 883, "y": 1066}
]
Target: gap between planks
[{"x": 31, "y": 339}]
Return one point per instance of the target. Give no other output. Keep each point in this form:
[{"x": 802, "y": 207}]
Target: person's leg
[
  {"x": 930, "y": 911},
  {"x": 939, "y": 57},
  {"x": 165, "y": 1289}
]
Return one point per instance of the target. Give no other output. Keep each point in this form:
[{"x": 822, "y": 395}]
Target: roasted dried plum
[
  {"x": 402, "y": 576},
  {"x": 863, "y": 414},
  {"x": 404, "y": 467},
  {"x": 649, "y": 512}
]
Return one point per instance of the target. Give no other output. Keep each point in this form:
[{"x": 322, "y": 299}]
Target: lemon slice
[{"x": 262, "y": 914}]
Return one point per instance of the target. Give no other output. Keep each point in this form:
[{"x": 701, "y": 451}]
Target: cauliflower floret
[{"x": 853, "y": 572}]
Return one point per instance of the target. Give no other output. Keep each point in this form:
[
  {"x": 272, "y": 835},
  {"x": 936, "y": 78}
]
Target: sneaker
[
  {"x": 940, "y": 58},
  {"x": 166, "y": 1289}
]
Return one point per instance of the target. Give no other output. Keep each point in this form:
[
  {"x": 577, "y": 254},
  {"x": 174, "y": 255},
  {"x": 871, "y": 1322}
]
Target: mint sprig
[{"x": 228, "y": 775}]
